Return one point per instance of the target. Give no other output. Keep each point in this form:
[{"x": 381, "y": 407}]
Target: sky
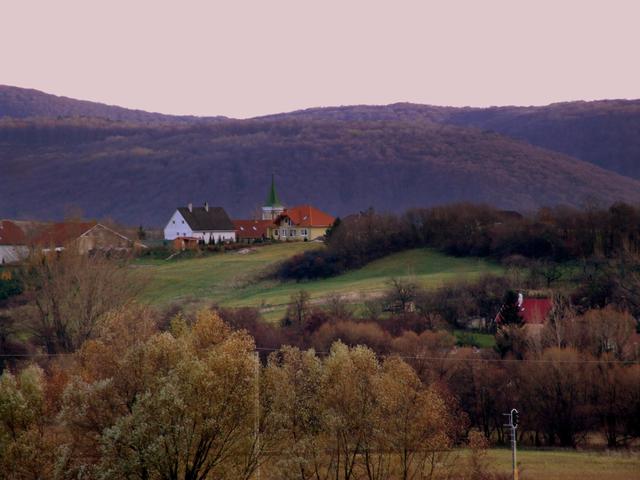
[{"x": 248, "y": 58}]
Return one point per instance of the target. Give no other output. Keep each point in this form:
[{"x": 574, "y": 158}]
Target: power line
[{"x": 451, "y": 358}]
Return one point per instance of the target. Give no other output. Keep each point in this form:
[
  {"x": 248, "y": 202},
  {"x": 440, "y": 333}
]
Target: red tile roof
[
  {"x": 11, "y": 234},
  {"x": 252, "y": 228},
  {"x": 63, "y": 233},
  {"x": 307, "y": 216},
  {"x": 535, "y": 310}
]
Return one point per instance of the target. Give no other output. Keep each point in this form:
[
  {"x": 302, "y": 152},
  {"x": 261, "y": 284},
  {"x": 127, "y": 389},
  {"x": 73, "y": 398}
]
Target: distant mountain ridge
[
  {"x": 136, "y": 167},
  {"x": 16, "y": 102},
  {"x": 604, "y": 132},
  {"x": 141, "y": 175}
]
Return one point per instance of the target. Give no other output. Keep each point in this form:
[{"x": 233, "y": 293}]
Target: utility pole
[
  {"x": 257, "y": 419},
  {"x": 513, "y": 418}
]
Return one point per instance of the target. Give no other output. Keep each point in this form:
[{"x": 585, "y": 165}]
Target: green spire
[{"x": 272, "y": 199}]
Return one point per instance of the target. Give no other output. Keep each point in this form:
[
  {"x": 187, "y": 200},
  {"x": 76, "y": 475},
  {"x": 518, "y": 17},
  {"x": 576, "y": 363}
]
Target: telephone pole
[{"x": 513, "y": 417}]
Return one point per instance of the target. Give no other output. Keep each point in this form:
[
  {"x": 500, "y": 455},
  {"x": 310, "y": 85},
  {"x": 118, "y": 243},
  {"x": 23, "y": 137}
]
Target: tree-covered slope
[{"x": 140, "y": 174}]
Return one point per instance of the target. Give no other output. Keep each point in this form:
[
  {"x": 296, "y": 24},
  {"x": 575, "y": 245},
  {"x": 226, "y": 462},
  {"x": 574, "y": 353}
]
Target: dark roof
[
  {"x": 252, "y": 228},
  {"x": 62, "y": 233},
  {"x": 203, "y": 219},
  {"x": 11, "y": 234}
]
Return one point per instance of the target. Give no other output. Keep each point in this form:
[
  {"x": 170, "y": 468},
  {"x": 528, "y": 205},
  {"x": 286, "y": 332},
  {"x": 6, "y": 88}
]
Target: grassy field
[
  {"x": 480, "y": 340},
  {"x": 569, "y": 464},
  {"x": 230, "y": 279}
]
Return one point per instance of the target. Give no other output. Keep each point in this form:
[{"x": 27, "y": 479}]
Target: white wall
[
  {"x": 11, "y": 253},
  {"x": 226, "y": 235},
  {"x": 177, "y": 227}
]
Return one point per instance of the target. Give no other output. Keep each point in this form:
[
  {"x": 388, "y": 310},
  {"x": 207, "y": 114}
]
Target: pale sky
[{"x": 247, "y": 58}]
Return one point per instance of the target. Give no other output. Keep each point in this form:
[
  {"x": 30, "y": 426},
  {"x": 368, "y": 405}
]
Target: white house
[{"x": 204, "y": 223}]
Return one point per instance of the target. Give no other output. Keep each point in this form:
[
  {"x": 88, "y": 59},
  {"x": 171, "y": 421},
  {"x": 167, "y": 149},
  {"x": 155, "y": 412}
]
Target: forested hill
[
  {"x": 139, "y": 174},
  {"x": 18, "y": 102},
  {"x": 606, "y": 133}
]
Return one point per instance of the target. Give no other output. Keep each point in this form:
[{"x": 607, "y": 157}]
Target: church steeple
[
  {"x": 273, "y": 207},
  {"x": 272, "y": 199}
]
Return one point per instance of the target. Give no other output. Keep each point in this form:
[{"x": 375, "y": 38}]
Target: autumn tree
[
  {"x": 413, "y": 429},
  {"x": 27, "y": 449},
  {"x": 171, "y": 407},
  {"x": 349, "y": 402},
  {"x": 293, "y": 380}
]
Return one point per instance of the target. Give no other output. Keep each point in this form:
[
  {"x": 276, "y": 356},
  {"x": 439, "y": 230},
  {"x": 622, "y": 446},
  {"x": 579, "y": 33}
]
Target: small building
[
  {"x": 249, "y": 231},
  {"x": 301, "y": 223},
  {"x": 533, "y": 311},
  {"x": 207, "y": 224},
  {"x": 185, "y": 243},
  {"x": 13, "y": 243},
  {"x": 85, "y": 236}
]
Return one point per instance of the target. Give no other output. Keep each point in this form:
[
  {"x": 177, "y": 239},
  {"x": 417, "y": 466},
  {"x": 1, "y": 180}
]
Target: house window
[
  {"x": 275, "y": 233},
  {"x": 284, "y": 232},
  {"x": 292, "y": 233},
  {"x": 303, "y": 232}
]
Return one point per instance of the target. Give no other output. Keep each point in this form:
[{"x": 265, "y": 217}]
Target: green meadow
[{"x": 236, "y": 279}]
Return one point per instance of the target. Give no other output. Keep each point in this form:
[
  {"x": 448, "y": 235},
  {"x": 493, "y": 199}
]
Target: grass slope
[
  {"x": 569, "y": 464},
  {"x": 230, "y": 279}
]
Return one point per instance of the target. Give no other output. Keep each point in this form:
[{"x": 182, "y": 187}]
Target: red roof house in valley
[
  {"x": 59, "y": 235},
  {"x": 85, "y": 236},
  {"x": 301, "y": 223},
  {"x": 534, "y": 311},
  {"x": 11, "y": 234},
  {"x": 13, "y": 242}
]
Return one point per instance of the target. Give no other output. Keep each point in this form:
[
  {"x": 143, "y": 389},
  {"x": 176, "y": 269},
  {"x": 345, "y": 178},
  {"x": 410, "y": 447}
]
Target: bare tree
[
  {"x": 70, "y": 293},
  {"x": 401, "y": 294}
]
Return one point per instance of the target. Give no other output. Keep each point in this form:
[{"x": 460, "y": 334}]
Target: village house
[
  {"x": 13, "y": 243},
  {"x": 533, "y": 311},
  {"x": 248, "y": 231},
  {"x": 301, "y": 223},
  {"x": 278, "y": 222},
  {"x": 200, "y": 224},
  {"x": 85, "y": 236}
]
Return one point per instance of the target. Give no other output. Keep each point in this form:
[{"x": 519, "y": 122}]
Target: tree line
[{"x": 551, "y": 234}]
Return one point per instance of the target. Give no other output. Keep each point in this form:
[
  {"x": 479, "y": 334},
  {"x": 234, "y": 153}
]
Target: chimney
[
  {"x": 190, "y": 207},
  {"x": 206, "y": 206}
]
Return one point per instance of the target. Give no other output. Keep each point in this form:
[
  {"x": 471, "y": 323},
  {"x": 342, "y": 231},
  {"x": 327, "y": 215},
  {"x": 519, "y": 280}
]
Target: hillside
[
  {"x": 230, "y": 279},
  {"x": 139, "y": 174},
  {"x": 18, "y": 102},
  {"x": 605, "y": 133}
]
